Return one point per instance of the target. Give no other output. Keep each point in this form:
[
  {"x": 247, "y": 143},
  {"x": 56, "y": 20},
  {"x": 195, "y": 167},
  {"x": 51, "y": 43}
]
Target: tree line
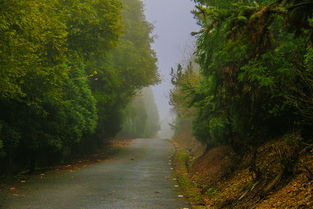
[
  {"x": 68, "y": 69},
  {"x": 141, "y": 117},
  {"x": 253, "y": 81}
]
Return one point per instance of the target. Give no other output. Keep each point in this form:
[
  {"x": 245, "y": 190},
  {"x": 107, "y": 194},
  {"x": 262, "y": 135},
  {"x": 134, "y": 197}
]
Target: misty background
[{"x": 173, "y": 23}]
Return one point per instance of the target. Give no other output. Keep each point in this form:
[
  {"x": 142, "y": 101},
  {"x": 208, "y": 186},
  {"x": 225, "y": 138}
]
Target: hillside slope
[{"x": 220, "y": 178}]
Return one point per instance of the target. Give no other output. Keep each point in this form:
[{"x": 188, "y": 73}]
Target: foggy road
[{"x": 138, "y": 177}]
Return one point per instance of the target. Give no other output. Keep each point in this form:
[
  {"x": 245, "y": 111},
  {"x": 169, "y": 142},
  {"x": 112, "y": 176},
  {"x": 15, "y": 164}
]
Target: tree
[
  {"x": 140, "y": 117},
  {"x": 128, "y": 68},
  {"x": 251, "y": 64},
  {"x": 48, "y": 107}
]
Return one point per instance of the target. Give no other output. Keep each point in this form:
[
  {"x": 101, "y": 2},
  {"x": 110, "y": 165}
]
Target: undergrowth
[
  {"x": 216, "y": 180},
  {"x": 191, "y": 191}
]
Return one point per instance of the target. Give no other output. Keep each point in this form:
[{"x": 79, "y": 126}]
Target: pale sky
[{"x": 173, "y": 24}]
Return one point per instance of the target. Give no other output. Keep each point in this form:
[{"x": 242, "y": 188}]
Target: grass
[{"x": 189, "y": 188}]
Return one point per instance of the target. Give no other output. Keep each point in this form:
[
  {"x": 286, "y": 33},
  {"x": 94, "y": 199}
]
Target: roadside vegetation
[
  {"x": 140, "y": 117},
  {"x": 246, "y": 99},
  {"x": 68, "y": 71}
]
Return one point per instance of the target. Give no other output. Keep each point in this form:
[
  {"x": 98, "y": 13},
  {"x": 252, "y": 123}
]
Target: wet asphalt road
[{"x": 137, "y": 177}]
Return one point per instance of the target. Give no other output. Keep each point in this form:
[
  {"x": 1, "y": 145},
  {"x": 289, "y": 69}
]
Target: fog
[{"x": 173, "y": 22}]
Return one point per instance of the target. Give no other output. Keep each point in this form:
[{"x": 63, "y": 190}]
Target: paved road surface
[{"x": 135, "y": 178}]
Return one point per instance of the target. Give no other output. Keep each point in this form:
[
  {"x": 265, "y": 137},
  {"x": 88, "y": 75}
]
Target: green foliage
[
  {"x": 67, "y": 70},
  {"x": 140, "y": 117},
  {"x": 255, "y": 65},
  {"x": 185, "y": 80},
  {"x": 308, "y": 62},
  {"x": 128, "y": 68}
]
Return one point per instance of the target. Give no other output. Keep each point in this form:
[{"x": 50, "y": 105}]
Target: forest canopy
[
  {"x": 256, "y": 80},
  {"x": 67, "y": 70},
  {"x": 247, "y": 93},
  {"x": 141, "y": 117}
]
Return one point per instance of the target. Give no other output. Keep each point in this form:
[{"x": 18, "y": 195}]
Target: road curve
[{"x": 138, "y": 177}]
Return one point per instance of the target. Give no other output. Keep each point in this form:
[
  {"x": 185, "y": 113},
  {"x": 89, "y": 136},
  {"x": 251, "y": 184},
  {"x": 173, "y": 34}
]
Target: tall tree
[{"x": 254, "y": 68}]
